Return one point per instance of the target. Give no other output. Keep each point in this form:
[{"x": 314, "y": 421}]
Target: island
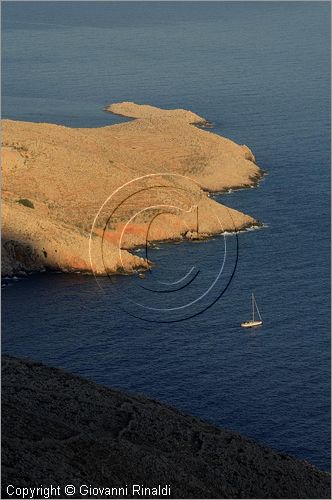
[{"x": 80, "y": 199}]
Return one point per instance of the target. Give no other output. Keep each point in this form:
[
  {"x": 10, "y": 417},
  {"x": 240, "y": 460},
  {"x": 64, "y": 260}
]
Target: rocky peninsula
[
  {"x": 68, "y": 193},
  {"x": 58, "y": 428}
]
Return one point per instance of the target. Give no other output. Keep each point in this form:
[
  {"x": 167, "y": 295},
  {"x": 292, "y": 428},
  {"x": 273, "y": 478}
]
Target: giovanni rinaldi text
[{"x": 89, "y": 491}]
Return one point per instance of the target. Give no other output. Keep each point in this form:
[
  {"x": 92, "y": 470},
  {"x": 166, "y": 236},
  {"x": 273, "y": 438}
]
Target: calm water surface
[{"x": 260, "y": 72}]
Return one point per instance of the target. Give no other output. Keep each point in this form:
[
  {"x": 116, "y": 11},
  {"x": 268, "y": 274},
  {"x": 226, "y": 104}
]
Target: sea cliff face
[
  {"x": 80, "y": 199},
  {"x": 60, "y": 429}
]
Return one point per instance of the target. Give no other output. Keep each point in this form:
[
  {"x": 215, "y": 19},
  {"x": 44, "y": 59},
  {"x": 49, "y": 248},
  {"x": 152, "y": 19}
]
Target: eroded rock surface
[
  {"x": 61, "y": 429},
  {"x": 62, "y": 184}
]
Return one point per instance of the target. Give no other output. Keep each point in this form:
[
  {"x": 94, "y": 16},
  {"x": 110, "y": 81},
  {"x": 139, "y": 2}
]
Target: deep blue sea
[{"x": 260, "y": 71}]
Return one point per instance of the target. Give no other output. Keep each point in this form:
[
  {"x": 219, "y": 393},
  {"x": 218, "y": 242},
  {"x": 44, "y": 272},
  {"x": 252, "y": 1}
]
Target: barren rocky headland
[{"x": 81, "y": 199}]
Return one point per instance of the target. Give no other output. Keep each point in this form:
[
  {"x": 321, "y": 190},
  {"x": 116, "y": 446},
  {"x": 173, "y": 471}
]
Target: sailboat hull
[{"x": 251, "y": 324}]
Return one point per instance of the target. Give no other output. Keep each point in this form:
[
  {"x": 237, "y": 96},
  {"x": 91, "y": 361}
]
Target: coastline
[{"x": 50, "y": 229}]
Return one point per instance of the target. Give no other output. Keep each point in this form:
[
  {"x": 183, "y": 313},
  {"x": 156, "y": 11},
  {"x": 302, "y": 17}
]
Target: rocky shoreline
[
  {"x": 160, "y": 158},
  {"x": 58, "y": 428}
]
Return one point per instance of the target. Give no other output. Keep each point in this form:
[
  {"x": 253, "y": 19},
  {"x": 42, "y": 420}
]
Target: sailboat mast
[
  {"x": 197, "y": 219},
  {"x": 253, "y": 306},
  {"x": 259, "y": 315}
]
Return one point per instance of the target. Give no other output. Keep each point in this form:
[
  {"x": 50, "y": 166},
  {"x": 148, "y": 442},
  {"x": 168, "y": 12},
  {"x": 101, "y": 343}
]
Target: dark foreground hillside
[{"x": 60, "y": 429}]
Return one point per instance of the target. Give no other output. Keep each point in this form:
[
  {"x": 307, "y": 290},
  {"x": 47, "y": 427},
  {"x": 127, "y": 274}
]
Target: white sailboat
[{"x": 253, "y": 322}]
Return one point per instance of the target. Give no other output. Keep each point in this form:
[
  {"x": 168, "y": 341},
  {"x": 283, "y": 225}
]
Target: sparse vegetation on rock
[{"x": 26, "y": 203}]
